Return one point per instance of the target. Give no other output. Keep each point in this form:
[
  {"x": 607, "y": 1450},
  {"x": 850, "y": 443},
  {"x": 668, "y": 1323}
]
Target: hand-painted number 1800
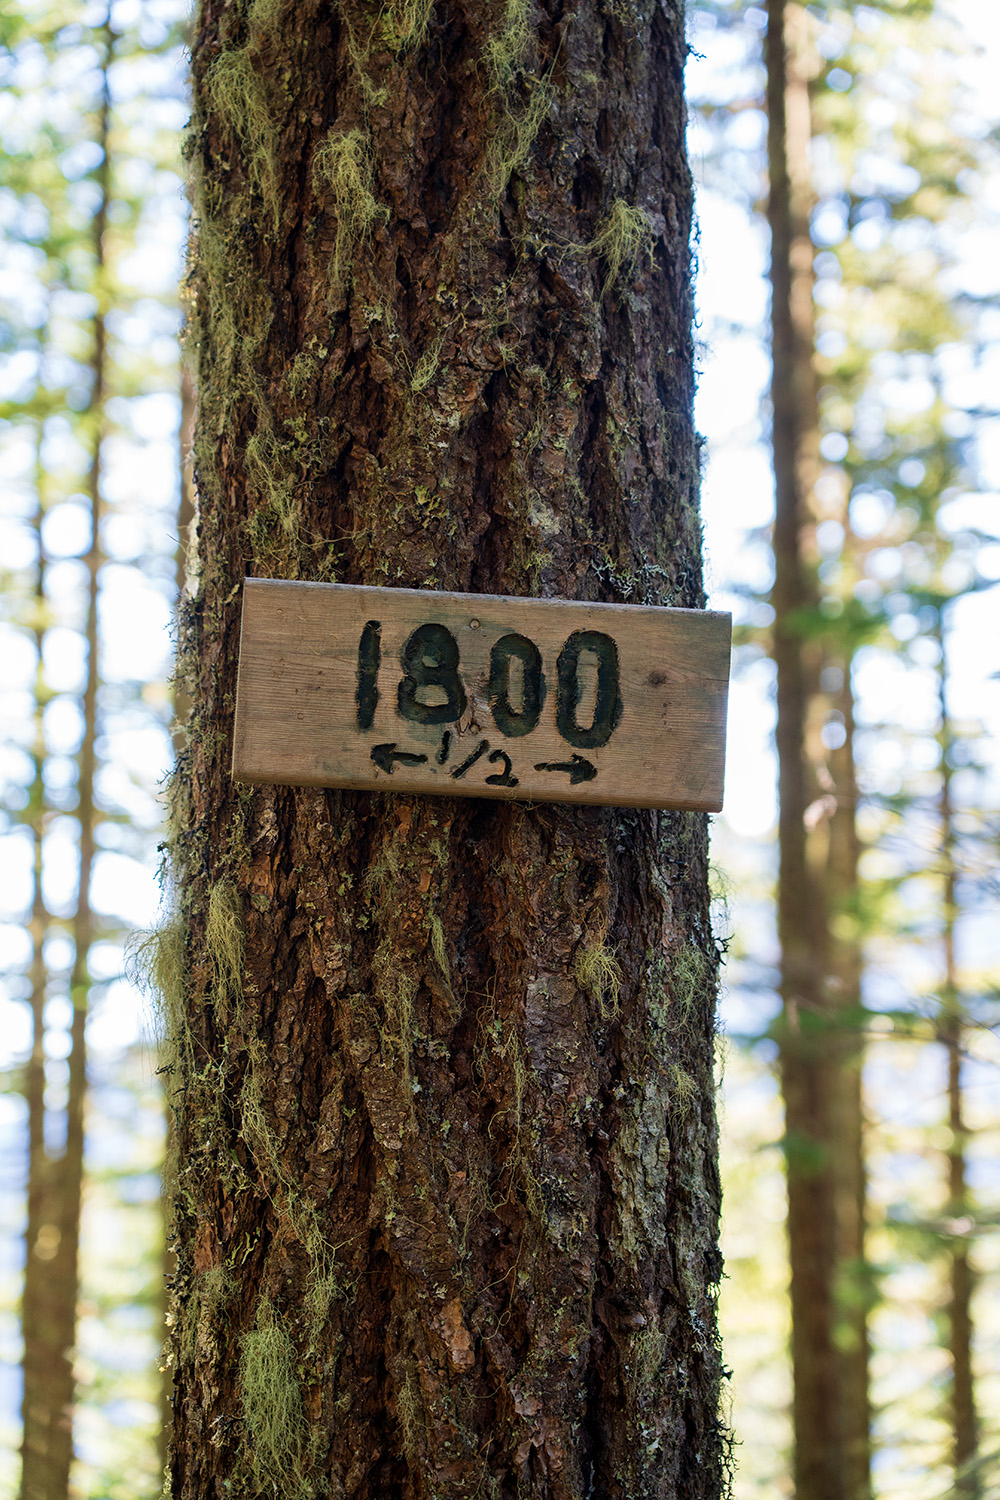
[{"x": 431, "y": 690}]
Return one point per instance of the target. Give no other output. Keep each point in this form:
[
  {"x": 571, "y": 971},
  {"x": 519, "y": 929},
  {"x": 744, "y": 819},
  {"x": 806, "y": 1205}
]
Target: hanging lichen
[
  {"x": 342, "y": 165},
  {"x": 272, "y": 1401},
  {"x": 624, "y": 236},
  {"x": 599, "y": 973},
  {"x": 404, "y": 23},
  {"x": 521, "y": 101},
  {"x": 510, "y": 148},
  {"x": 157, "y": 964},
  {"x": 237, "y": 90},
  {"x": 505, "y": 48},
  {"x": 691, "y": 977},
  {"x": 224, "y": 942}
]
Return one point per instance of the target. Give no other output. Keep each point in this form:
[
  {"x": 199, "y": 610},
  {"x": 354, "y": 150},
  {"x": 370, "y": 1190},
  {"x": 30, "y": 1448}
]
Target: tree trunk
[
  {"x": 853, "y": 1290},
  {"x": 41, "y": 1359},
  {"x": 446, "y": 1150},
  {"x": 820, "y": 1056},
  {"x": 186, "y": 522},
  {"x": 806, "y": 1074},
  {"x": 51, "y": 1274},
  {"x": 965, "y": 1418}
]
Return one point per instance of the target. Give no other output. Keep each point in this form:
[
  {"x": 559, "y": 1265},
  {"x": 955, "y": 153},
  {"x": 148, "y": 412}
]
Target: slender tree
[
  {"x": 41, "y": 1230},
  {"x": 181, "y": 710},
  {"x": 51, "y": 1279},
  {"x": 88, "y": 178},
  {"x": 847, "y": 1125},
  {"x": 887, "y": 285},
  {"x": 819, "y": 1107},
  {"x": 965, "y": 1423},
  {"x": 446, "y": 1181},
  {"x": 874, "y": 180}
]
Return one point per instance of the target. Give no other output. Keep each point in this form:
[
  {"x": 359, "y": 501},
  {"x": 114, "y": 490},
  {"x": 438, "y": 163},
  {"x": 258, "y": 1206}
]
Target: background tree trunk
[
  {"x": 51, "y": 1272},
  {"x": 39, "y": 1361},
  {"x": 951, "y": 1028},
  {"x": 853, "y": 1287},
  {"x": 806, "y": 1071},
  {"x": 186, "y": 521},
  {"x": 446, "y": 1149},
  {"x": 820, "y": 1055}
]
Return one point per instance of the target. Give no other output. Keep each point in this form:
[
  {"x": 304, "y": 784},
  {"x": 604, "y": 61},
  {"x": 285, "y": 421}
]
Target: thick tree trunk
[
  {"x": 818, "y": 855},
  {"x": 446, "y": 1173}
]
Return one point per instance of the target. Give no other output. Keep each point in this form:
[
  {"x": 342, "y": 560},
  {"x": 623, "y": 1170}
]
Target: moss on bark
[{"x": 448, "y": 1138}]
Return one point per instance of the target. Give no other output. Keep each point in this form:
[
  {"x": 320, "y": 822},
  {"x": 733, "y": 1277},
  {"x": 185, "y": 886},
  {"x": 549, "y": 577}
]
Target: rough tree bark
[
  {"x": 820, "y": 1048},
  {"x": 446, "y": 1182}
]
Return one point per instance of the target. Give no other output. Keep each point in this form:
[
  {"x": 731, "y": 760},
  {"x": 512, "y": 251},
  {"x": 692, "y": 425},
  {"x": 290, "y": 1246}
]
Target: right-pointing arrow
[{"x": 579, "y": 769}]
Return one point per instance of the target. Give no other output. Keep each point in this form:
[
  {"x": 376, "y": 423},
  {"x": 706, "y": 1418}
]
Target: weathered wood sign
[{"x": 474, "y": 695}]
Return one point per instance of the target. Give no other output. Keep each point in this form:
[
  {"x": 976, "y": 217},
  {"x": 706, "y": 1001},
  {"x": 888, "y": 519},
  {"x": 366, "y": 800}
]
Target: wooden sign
[{"x": 478, "y": 696}]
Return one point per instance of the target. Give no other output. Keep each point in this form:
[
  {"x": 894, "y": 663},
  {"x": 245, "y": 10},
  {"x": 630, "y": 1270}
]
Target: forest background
[{"x": 903, "y": 544}]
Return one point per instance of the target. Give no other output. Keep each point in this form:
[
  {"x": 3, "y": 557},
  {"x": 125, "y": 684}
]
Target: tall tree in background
[
  {"x": 51, "y": 1276},
  {"x": 80, "y": 187},
  {"x": 818, "y": 853},
  {"x": 41, "y": 1229},
  {"x": 881, "y": 185},
  {"x": 446, "y": 1183},
  {"x": 952, "y": 1023},
  {"x": 186, "y": 509},
  {"x": 905, "y": 174}
]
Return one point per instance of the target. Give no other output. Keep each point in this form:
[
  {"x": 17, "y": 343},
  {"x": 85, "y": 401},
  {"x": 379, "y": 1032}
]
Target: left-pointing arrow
[{"x": 387, "y": 755}]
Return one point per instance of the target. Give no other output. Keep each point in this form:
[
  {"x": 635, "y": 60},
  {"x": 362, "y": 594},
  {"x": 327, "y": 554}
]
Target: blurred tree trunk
[
  {"x": 965, "y": 1420},
  {"x": 847, "y": 1124},
  {"x": 51, "y": 1275},
  {"x": 186, "y": 521},
  {"x": 818, "y": 852},
  {"x": 446, "y": 1150},
  {"x": 39, "y": 1361}
]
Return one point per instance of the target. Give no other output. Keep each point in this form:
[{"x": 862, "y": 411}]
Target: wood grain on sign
[{"x": 470, "y": 694}]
